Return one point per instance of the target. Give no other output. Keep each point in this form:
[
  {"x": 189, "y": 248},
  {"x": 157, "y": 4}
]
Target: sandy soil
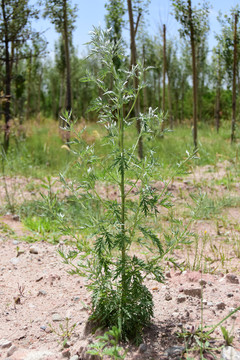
[{"x": 37, "y": 294}]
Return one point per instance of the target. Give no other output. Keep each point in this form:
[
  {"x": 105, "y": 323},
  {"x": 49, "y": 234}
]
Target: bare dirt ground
[{"x": 37, "y": 295}]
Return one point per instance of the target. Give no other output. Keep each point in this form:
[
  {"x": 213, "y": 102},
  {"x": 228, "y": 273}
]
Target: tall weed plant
[{"x": 108, "y": 257}]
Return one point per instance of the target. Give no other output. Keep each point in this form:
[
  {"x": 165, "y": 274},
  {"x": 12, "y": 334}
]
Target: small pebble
[
  {"x": 12, "y": 350},
  {"x": 168, "y": 297},
  {"x": 16, "y": 217},
  {"x": 229, "y": 353},
  {"x": 174, "y": 351},
  {"x": 221, "y": 305},
  {"x": 66, "y": 353},
  {"x": 33, "y": 250},
  {"x": 74, "y": 357},
  {"x": 56, "y": 317},
  {"x": 181, "y": 299},
  {"x": 42, "y": 293},
  {"x": 232, "y": 278},
  {"x": 202, "y": 282},
  {"x": 194, "y": 292},
  {"x": 142, "y": 348},
  {"x": 4, "y": 344},
  {"x": 43, "y": 327},
  {"x": 14, "y": 261}
]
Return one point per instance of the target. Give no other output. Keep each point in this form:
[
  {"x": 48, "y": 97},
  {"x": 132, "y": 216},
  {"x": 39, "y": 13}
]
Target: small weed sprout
[
  {"x": 107, "y": 257},
  {"x": 227, "y": 336},
  {"x": 107, "y": 345},
  {"x": 64, "y": 331}
]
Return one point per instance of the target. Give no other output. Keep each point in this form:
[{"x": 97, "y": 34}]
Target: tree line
[{"x": 186, "y": 79}]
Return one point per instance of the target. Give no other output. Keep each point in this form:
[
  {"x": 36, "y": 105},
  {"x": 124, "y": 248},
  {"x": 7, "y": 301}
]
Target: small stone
[
  {"x": 14, "y": 261},
  {"x": 56, "y": 317},
  {"x": 209, "y": 303},
  {"x": 12, "y": 350},
  {"x": 4, "y": 344},
  {"x": 15, "y": 242},
  {"x": 16, "y": 217},
  {"x": 42, "y": 293},
  {"x": 142, "y": 348},
  {"x": 43, "y": 327},
  {"x": 68, "y": 314},
  {"x": 175, "y": 314},
  {"x": 174, "y": 351},
  {"x": 48, "y": 330},
  {"x": 33, "y": 250},
  {"x": 202, "y": 282},
  {"x": 232, "y": 278},
  {"x": 230, "y": 295},
  {"x": 194, "y": 292},
  {"x": 33, "y": 355},
  {"x": 168, "y": 297},
  {"x": 66, "y": 353},
  {"x": 181, "y": 299},
  {"x": 74, "y": 357},
  {"x": 221, "y": 305},
  {"x": 229, "y": 353},
  {"x": 76, "y": 298}
]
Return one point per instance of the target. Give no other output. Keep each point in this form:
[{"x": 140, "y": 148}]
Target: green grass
[
  {"x": 41, "y": 153},
  {"x": 206, "y": 207}
]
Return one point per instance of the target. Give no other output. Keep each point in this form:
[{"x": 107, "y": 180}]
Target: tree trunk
[
  {"x": 8, "y": 98},
  {"x": 60, "y": 103},
  {"x": 194, "y": 71},
  {"x": 164, "y": 68},
  {"x": 164, "y": 73},
  {"x": 29, "y": 86},
  {"x": 218, "y": 97},
  {"x": 145, "y": 88},
  {"x": 182, "y": 99},
  {"x": 68, "y": 67},
  {"x": 39, "y": 95},
  {"x": 170, "y": 114},
  {"x": 7, "y": 109},
  {"x": 135, "y": 83},
  {"x": 234, "y": 81}
]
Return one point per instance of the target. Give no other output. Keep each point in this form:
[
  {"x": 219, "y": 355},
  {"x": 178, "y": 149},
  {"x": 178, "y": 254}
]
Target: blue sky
[{"x": 91, "y": 12}]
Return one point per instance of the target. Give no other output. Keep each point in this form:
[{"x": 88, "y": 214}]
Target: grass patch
[
  {"x": 206, "y": 208},
  {"x": 41, "y": 154}
]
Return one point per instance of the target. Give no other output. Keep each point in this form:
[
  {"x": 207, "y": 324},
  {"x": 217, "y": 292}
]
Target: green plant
[
  {"x": 108, "y": 345},
  {"x": 64, "y": 331},
  {"x": 6, "y": 229},
  {"x": 116, "y": 276},
  {"x": 227, "y": 336},
  {"x": 199, "y": 339}
]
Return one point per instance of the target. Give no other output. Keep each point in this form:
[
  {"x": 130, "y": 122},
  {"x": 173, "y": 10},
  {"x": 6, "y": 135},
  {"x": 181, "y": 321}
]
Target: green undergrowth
[
  {"x": 42, "y": 153},
  {"x": 207, "y": 207}
]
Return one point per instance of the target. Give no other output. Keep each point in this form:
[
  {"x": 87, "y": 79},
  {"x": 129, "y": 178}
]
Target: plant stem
[{"x": 123, "y": 240}]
